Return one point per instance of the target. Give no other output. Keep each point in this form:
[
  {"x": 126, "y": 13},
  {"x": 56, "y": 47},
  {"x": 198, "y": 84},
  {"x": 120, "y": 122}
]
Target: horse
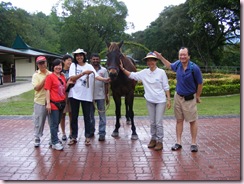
[{"x": 121, "y": 85}]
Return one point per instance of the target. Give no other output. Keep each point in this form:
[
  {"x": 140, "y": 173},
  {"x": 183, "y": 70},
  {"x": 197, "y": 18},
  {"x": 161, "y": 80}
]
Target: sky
[{"x": 140, "y": 12}]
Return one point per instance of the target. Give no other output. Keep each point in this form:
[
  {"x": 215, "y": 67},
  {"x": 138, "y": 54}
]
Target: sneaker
[
  {"x": 194, "y": 148},
  {"x": 152, "y": 144},
  {"x": 64, "y": 137},
  {"x": 159, "y": 146},
  {"x": 57, "y": 146},
  {"x": 37, "y": 142},
  {"x": 50, "y": 142},
  {"x": 101, "y": 138}
]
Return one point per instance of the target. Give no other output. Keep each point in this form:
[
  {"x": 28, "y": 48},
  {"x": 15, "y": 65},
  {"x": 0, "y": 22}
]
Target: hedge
[{"x": 213, "y": 84}]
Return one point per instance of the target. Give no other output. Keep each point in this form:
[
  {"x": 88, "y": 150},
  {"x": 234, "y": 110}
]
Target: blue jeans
[
  {"x": 156, "y": 113},
  {"x": 102, "y": 117},
  {"x": 86, "y": 109},
  {"x": 53, "y": 119}
]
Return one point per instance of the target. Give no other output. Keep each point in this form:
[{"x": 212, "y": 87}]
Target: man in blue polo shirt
[{"x": 188, "y": 91}]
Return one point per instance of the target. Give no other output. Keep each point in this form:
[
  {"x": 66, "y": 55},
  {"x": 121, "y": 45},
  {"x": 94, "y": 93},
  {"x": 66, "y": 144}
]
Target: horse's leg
[
  {"x": 130, "y": 101},
  {"x": 127, "y": 116},
  {"x": 117, "y": 101}
]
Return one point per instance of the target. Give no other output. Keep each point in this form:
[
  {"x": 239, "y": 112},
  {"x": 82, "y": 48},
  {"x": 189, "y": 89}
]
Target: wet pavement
[
  {"x": 123, "y": 159},
  {"x": 120, "y": 159}
]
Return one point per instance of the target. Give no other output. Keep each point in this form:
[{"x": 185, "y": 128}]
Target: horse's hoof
[
  {"x": 128, "y": 122},
  {"x": 115, "y": 134},
  {"x": 134, "y": 137}
]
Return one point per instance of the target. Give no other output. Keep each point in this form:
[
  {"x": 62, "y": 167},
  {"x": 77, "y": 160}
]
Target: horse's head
[{"x": 113, "y": 59}]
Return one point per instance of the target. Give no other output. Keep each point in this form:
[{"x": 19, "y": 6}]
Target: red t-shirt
[{"x": 56, "y": 85}]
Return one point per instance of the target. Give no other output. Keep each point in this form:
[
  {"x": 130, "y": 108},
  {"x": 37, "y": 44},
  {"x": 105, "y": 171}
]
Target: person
[
  {"x": 13, "y": 73},
  {"x": 82, "y": 94},
  {"x": 157, "y": 95},
  {"x": 188, "y": 90},
  {"x": 55, "y": 86},
  {"x": 67, "y": 60},
  {"x": 40, "y": 113},
  {"x": 100, "y": 97},
  {"x": 1, "y": 75}
]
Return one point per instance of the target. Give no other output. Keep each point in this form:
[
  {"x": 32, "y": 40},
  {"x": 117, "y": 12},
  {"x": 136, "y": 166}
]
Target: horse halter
[{"x": 113, "y": 60}]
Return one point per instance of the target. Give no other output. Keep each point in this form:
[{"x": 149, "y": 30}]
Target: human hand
[
  {"x": 70, "y": 81},
  {"x": 107, "y": 80},
  {"x": 87, "y": 72},
  {"x": 168, "y": 104},
  {"x": 159, "y": 55},
  {"x": 121, "y": 65},
  {"x": 198, "y": 100},
  {"x": 48, "y": 107}
]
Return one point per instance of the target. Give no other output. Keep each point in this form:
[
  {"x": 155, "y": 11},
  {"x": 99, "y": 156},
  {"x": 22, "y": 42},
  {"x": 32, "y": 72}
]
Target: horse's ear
[
  {"x": 120, "y": 44},
  {"x": 107, "y": 43}
]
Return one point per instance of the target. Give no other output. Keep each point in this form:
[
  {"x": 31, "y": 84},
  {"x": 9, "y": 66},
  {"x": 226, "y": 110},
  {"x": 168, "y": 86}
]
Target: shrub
[{"x": 214, "y": 84}]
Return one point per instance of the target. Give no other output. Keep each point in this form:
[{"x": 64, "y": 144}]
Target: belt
[{"x": 180, "y": 95}]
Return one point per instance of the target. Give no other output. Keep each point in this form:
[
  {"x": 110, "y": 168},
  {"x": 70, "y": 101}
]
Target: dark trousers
[{"x": 86, "y": 109}]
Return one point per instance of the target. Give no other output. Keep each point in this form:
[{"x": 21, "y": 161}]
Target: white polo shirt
[{"x": 155, "y": 84}]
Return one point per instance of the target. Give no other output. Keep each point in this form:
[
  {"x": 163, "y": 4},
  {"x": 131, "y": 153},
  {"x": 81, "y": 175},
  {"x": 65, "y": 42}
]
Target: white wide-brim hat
[
  {"x": 150, "y": 55},
  {"x": 79, "y": 51}
]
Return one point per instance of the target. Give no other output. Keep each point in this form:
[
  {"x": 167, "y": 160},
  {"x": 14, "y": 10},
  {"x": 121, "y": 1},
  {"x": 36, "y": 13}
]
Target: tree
[
  {"x": 216, "y": 24},
  {"x": 170, "y": 31},
  {"x": 87, "y": 24},
  {"x": 12, "y": 21}
]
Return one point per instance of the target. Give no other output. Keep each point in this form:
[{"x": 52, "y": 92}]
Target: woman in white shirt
[
  {"x": 81, "y": 93},
  {"x": 156, "y": 87}
]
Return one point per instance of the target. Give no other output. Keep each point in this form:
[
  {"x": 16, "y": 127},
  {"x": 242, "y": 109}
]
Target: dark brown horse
[{"x": 121, "y": 85}]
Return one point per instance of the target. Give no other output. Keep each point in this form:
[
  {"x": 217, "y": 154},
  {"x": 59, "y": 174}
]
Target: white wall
[{"x": 24, "y": 68}]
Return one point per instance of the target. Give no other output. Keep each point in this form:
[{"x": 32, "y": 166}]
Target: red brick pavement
[{"x": 121, "y": 159}]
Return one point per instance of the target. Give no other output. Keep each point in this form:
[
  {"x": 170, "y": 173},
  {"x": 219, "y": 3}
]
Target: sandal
[
  {"x": 72, "y": 141},
  {"x": 176, "y": 147},
  {"x": 87, "y": 142}
]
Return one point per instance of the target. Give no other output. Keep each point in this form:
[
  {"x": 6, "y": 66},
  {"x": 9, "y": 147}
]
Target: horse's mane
[
  {"x": 129, "y": 62},
  {"x": 113, "y": 46}
]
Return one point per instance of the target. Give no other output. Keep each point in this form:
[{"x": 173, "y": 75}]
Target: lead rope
[{"x": 87, "y": 82}]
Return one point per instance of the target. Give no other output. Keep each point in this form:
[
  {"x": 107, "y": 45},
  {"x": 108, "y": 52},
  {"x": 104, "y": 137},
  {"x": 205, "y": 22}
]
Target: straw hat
[{"x": 150, "y": 55}]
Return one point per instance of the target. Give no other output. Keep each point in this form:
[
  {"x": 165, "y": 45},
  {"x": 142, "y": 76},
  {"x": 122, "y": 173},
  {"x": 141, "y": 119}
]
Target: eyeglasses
[{"x": 41, "y": 63}]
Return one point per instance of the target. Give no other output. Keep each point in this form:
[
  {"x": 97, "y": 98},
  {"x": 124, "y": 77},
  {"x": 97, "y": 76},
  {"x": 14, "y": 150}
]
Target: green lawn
[{"x": 221, "y": 105}]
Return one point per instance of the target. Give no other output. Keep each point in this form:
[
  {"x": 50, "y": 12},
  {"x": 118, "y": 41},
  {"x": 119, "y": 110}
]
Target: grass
[{"x": 220, "y": 105}]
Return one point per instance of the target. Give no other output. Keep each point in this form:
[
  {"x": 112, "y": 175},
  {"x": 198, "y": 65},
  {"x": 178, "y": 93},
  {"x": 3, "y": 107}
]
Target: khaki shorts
[{"x": 186, "y": 110}]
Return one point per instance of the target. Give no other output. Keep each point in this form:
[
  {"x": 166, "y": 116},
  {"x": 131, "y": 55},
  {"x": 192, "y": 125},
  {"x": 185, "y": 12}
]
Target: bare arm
[
  {"x": 48, "y": 106},
  {"x": 168, "y": 99},
  {"x": 103, "y": 79},
  {"x": 39, "y": 86},
  {"x": 107, "y": 93},
  {"x": 163, "y": 60},
  {"x": 199, "y": 92},
  {"x": 126, "y": 72}
]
